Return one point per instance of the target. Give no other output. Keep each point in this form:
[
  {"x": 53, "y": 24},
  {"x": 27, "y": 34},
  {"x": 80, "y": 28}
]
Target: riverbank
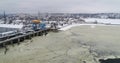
[{"x": 75, "y": 45}]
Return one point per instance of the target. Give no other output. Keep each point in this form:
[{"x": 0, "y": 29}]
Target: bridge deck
[{"x": 25, "y": 36}]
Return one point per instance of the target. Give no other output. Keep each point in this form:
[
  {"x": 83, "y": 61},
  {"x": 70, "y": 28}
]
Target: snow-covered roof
[{"x": 11, "y": 26}]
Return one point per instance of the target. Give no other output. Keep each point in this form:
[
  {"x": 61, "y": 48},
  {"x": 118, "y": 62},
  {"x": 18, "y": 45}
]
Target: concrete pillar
[
  {"x": 37, "y": 33},
  {"x": 41, "y": 33},
  {"x": 4, "y": 44},
  {"x": 12, "y": 43},
  {"x": 29, "y": 36},
  {"x": 46, "y": 32},
  {"x": 24, "y": 38},
  {"x": 18, "y": 41},
  {"x": 33, "y": 34}
]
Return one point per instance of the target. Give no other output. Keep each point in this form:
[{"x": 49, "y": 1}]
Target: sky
[{"x": 60, "y": 6}]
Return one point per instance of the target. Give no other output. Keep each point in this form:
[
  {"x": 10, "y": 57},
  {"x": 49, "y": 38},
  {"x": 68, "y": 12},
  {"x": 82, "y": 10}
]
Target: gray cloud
[{"x": 69, "y": 6}]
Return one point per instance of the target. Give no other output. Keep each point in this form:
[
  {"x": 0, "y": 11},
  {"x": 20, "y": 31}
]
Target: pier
[{"x": 21, "y": 38}]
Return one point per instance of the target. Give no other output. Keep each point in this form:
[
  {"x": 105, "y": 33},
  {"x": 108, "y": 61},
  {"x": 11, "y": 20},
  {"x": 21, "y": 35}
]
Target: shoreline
[{"x": 65, "y": 28}]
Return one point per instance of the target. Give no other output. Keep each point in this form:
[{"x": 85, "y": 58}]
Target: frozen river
[{"x": 77, "y": 45}]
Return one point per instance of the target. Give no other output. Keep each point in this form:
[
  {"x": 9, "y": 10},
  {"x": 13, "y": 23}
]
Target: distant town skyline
[{"x": 60, "y": 6}]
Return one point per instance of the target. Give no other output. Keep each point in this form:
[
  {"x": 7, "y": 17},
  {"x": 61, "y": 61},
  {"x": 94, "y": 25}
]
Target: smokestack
[
  {"x": 38, "y": 15},
  {"x": 4, "y": 17}
]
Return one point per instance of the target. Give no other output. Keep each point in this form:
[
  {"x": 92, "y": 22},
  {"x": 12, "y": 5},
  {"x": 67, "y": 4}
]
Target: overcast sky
[{"x": 61, "y": 6}]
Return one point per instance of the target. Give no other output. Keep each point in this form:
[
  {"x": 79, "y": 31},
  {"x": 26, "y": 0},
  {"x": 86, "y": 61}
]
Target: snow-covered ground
[
  {"x": 112, "y": 21},
  {"x": 106, "y": 21}
]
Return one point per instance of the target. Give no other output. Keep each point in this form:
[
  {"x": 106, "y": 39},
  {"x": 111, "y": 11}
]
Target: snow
[
  {"x": 112, "y": 21},
  {"x": 11, "y": 26},
  {"x": 75, "y": 25}
]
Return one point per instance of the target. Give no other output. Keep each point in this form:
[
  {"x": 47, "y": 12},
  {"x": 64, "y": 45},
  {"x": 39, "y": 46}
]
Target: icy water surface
[{"x": 83, "y": 44}]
